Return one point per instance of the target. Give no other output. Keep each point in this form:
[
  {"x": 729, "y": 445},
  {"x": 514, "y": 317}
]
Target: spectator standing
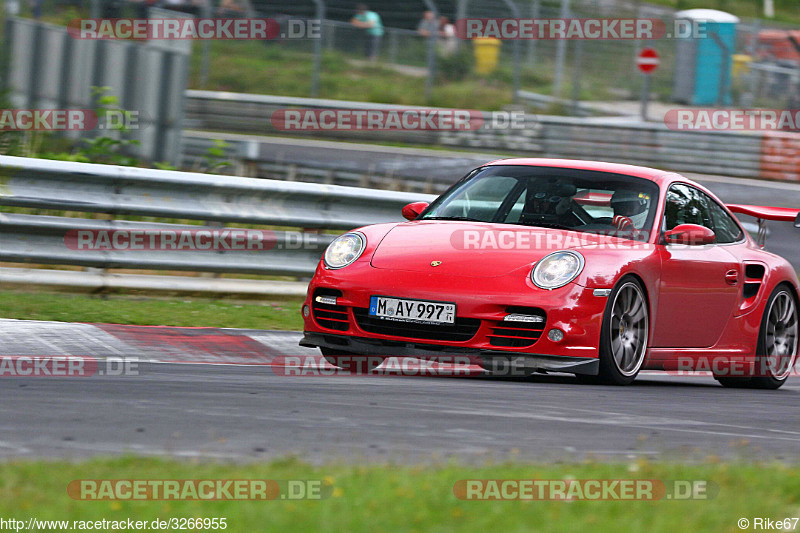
[
  {"x": 36, "y": 6},
  {"x": 448, "y": 41},
  {"x": 230, "y": 9},
  {"x": 428, "y": 25},
  {"x": 373, "y": 25}
]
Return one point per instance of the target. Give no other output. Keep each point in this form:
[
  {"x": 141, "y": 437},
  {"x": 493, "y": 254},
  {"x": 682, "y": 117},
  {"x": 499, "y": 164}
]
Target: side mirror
[
  {"x": 412, "y": 211},
  {"x": 690, "y": 234},
  {"x": 797, "y": 221}
]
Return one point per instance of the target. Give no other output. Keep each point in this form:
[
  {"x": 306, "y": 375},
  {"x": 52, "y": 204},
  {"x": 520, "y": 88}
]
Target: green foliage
[
  {"x": 395, "y": 496},
  {"x": 112, "y": 148},
  {"x": 456, "y": 66},
  {"x": 183, "y": 311},
  {"x": 214, "y": 158},
  {"x": 163, "y": 165},
  {"x": 11, "y": 142}
]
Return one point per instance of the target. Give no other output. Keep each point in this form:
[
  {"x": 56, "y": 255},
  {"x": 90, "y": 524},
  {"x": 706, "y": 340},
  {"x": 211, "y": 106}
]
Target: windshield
[{"x": 579, "y": 200}]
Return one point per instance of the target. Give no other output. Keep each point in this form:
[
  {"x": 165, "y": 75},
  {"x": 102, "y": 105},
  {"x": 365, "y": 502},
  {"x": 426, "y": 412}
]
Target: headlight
[
  {"x": 344, "y": 250},
  {"x": 557, "y": 269}
]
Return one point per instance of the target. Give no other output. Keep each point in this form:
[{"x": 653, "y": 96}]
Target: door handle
[{"x": 732, "y": 277}]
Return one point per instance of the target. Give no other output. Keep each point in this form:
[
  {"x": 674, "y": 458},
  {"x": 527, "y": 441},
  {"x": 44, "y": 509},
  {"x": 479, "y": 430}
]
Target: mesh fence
[{"x": 590, "y": 70}]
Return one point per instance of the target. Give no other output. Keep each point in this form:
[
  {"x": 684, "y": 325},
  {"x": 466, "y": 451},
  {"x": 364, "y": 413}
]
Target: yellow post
[
  {"x": 487, "y": 51},
  {"x": 741, "y": 64}
]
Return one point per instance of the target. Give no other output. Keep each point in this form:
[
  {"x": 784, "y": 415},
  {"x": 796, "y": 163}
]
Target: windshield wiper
[{"x": 467, "y": 219}]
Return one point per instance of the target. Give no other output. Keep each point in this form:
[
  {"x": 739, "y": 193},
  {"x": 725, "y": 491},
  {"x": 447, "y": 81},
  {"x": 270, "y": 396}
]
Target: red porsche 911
[{"x": 595, "y": 269}]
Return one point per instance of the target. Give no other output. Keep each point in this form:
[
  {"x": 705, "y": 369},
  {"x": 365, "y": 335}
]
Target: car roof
[{"x": 651, "y": 174}]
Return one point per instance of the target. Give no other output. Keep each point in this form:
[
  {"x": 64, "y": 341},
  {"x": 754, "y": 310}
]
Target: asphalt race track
[
  {"x": 234, "y": 403},
  {"x": 206, "y": 392}
]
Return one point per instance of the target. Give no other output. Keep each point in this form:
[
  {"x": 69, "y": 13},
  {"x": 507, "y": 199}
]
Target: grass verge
[
  {"x": 409, "y": 498},
  {"x": 180, "y": 311},
  {"x": 252, "y": 67}
]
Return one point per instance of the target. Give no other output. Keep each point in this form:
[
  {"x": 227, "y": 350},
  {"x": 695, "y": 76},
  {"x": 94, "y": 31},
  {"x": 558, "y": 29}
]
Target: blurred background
[{"x": 756, "y": 63}]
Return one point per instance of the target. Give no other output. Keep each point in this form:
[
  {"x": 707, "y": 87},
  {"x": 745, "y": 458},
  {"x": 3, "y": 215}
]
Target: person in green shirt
[{"x": 371, "y": 22}]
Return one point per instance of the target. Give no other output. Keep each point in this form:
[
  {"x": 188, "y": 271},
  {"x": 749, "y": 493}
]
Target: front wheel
[
  {"x": 624, "y": 335},
  {"x": 355, "y": 363}
]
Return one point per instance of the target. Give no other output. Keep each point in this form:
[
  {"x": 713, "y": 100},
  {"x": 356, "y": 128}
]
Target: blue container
[{"x": 703, "y": 63}]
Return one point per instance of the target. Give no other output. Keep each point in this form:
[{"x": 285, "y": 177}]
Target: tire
[
  {"x": 624, "y": 335},
  {"x": 777, "y": 340},
  {"x": 588, "y": 379},
  {"x": 352, "y": 362},
  {"x": 734, "y": 383}
]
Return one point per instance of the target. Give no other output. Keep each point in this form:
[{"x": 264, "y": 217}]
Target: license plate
[{"x": 412, "y": 310}]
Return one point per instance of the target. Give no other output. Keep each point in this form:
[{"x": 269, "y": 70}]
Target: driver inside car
[{"x": 630, "y": 209}]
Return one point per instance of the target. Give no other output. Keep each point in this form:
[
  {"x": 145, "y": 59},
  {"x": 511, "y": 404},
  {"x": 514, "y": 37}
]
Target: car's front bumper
[
  {"x": 497, "y": 362},
  {"x": 481, "y": 304}
]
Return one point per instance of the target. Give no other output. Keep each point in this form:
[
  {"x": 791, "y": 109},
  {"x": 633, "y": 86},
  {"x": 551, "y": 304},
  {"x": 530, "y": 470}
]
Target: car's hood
[{"x": 473, "y": 249}]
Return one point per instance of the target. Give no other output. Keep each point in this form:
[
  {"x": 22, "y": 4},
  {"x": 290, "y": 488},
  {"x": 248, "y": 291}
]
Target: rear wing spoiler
[{"x": 764, "y": 213}]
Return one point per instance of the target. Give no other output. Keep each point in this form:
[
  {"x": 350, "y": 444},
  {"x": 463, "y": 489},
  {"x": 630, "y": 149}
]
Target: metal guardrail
[
  {"x": 84, "y": 187},
  {"x": 218, "y": 200},
  {"x": 770, "y": 155},
  {"x": 727, "y": 153},
  {"x": 251, "y": 113},
  {"x": 334, "y": 163},
  {"x": 41, "y": 240}
]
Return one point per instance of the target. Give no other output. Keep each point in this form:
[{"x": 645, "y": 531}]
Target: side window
[
  {"x": 686, "y": 205},
  {"x": 725, "y": 228}
]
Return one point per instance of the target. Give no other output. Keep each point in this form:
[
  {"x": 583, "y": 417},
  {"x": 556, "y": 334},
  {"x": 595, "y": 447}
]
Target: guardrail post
[{"x": 248, "y": 159}]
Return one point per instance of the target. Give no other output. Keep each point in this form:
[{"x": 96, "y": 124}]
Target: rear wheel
[
  {"x": 777, "y": 340},
  {"x": 624, "y": 335},
  {"x": 352, "y": 362}
]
